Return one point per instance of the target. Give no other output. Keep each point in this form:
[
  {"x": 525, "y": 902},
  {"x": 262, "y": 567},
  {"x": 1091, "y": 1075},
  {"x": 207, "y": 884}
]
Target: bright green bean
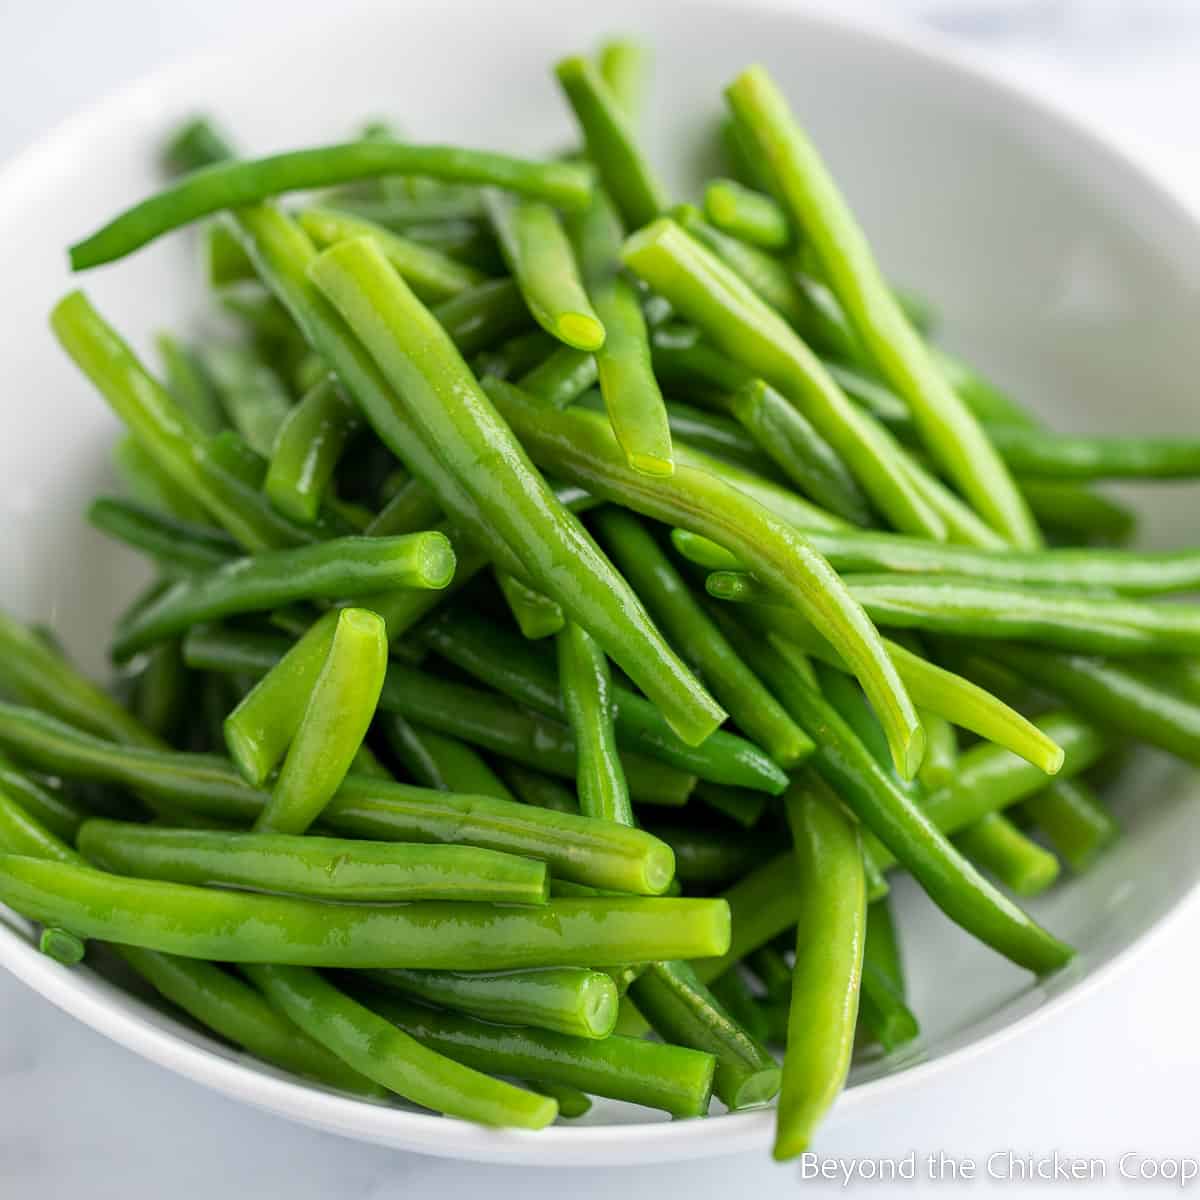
[
  {"x": 585, "y": 683},
  {"x": 738, "y": 804},
  {"x": 941, "y": 752},
  {"x": 174, "y": 545},
  {"x": 813, "y": 201},
  {"x": 1000, "y": 848},
  {"x": 538, "y": 254},
  {"x": 306, "y": 450},
  {"x": 744, "y": 213},
  {"x": 712, "y": 855},
  {"x": 570, "y": 1000},
  {"x": 370, "y": 1044},
  {"x": 336, "y": 717},
  {"x": 332, "y": 868},
  {"x": 625, "y": 66}
]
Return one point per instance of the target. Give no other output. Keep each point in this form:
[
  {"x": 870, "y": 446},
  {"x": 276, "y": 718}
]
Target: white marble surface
[{"x": 80, "y": 1116}]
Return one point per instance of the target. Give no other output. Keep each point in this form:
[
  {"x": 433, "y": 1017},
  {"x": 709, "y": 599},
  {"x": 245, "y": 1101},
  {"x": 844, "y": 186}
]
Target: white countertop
[{"x": 1114, "y": 1074}]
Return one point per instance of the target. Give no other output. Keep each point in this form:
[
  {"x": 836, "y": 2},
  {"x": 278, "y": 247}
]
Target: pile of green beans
[{"x": 519, "y": 502}]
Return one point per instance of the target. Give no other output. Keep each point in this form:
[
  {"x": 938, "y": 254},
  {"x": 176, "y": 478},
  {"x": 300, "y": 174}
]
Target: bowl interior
[{"x": 1055, "y": 266}]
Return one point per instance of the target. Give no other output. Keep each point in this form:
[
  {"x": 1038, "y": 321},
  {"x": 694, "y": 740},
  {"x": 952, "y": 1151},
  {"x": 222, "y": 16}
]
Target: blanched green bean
[
  {"x": 1000, "y": 848},
  {"x": 536, "y": 615},
  {"x": 175, "y": 545},
  {"x": 441, "y": 762},
  {"x": 1074, "y": 820},
  {"x": 744, "y": 213}
]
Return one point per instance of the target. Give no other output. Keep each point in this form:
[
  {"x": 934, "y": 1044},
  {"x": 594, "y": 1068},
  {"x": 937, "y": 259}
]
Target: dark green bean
[
  {"x": 441, "y": 762},
  {"x": 46, "y": 803},
  {"x": 685, "y": 621},
  {"x": 479, "y": 317},
  {"x": 562, "y": 378},
  {"x": 253, "y": 396},
  {"x": 1000, "y": 848},
  {"x": 532, "y": 787},
  {"x": 712, "y": 855},
  {"x": 1074, "y": 820},
  {"x": 1077, "y": 513},
  {"x": 62, "y": 946},
  {"x": 332, "y": 868},
  {"x": 149, "y": 484},
  {"x": 162, "y": 691},
  {"x": 738, "y": 804},
  {"x": 189, "y": 383},
  {"x": 673, "y": 1078},
  {"x": 196, "y": 143},
  {"x": 570, "y": 1000},
  {"x": 236, "y": 184},
  {"x": 174, "y": 545},
  {"x": 536, "y": 615},
  {"x": 370, "y": 1044}
]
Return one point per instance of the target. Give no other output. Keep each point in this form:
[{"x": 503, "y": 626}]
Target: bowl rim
[{"x": 131, "y": 1024}]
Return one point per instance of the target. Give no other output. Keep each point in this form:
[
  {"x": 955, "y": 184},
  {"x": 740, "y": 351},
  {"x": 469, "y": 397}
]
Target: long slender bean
[
  {"x": 585, "y": 683},
  {"x": 570, "y": 1000},
  {"x": 673, "y": 1078},
  {"x": 243, "y": 182},
  {"x": 496, "y": 471},
  {"x": 625, "y": 67},
  {"x": 175, "y": 545},
  {"x": 253, "y": 396},
  {"x": 48, "y": 804},
  {"x": 372, "y": 1045},
  {"x": 189, "y": 383},
  {"x": 435, "y": 934},
  {"x": 339, "y": 567},
  {"x": 814, "y": 202},
  {"x": 830, "y": 933},
  {"x": 1074, "y": 820},
  {"x": 441, "y": 762},
  {"x": 562, "y": 378},
  {"x": 999, "y": 847},
  {"x": 577, "y": 446}
]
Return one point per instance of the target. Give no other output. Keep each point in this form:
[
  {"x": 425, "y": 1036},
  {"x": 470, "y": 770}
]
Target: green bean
[
  {"x": 161, "y": 425},
  {"x": 149, "y": 484},
  {"x": 1122, "y": 698},
  {"x": 225, "y": 261},
  {"x": 562, "y": 378},
  {"x": 62, "y": 946},
  {"x": 532, "y": 787},
  {"x": 1181, "y": 675},
  {"x": 536, "y": 615},
  {"x": 441, "y": 762},
  {"x": 161, "y": 690},
  {"x": 611, "y": 144},
  {"x": 767, "y": 276},
  {"x": 812, "y": 199},
  {"x": 219, "y": 1001},
  {"x": 1076, "y": 513},
  {"x": 585, "y": 683},
  {"x": 990, "y": 778},
  {"x": 631, "y": 394},
  {"x": 684, "y": 1012},
  {"x": 796, "y": 448},
  {"x": 772, "y": 971},
  {"x": 571, "y": 1101},
  {"x": 434, "y": 934},
  {"x": 307, "y": 446},
  {"x": 1074, "y": 820},
  {"x": 371, "y": 1045},
  {"x": 539, "y": 256},
  {"x": 237, "y": 184},
  {"x": 521, "y": 353},
  {"x": 1037, "y": 454},
  {"x": 733, "y": 993},
  {"x": 478, "y": 318},
  {"x": 45, "y": 803},
  {"x": 333, "y": 868},
  {"x": 41, "y": 676},
  {"x": 575, "y": 446},
  {"x": 673, "y": 1078},
  {"x": 999, "y": 847},
  {"x": 497, "y": 473},
  {"x": 334, "y": 568},
  {"x": 173, "y": 544},
  {"x": 941, "y": 752},
  {"x": 187, "y": 381},
  {"x": 911, "y": 833},
  {"x": 508, "y": 665},
  {"x": 22, "y": 833},
  {"x": 738, "y": 804},
  {"x": 712, "y": 855},
  {"x": 336, "y": 717},
  {"x": 716, "y": 435},
  {"x": 882, "y": 1009},
  {"x": 431, "y": 274},
  {"x": 624, "y": 66},
  {"x": 571, "y": 1000},
  {"x": 716, "y": 299},
  {"x": 252, "y": 394},
  {"x": 412, "y": 508},
  {"x": 744, "y": 213},
  {"x": 683, "y": 618},
  {"x": 830, "y": 934},
  {"x": 196, "y": 143}
]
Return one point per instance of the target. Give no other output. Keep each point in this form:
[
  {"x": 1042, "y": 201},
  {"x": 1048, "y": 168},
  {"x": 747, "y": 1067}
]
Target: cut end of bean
[
  {"x": 652, "y": 464},
  {"x": 658, "y": 869},
  {"x": 62, "y": 946},
  {"x": 756, "y": 1087},
  {"x": 580, "y": 331},
  {"x": 436, "y": 561},
  {"x": 599, "y": 1003}
]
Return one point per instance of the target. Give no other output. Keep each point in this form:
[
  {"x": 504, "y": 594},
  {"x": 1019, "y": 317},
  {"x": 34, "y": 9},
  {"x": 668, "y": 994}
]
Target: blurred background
[{"x": 81, "y": 1116}]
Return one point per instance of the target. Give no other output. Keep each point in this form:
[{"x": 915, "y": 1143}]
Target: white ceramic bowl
[{"x": 1059, "y": 268}]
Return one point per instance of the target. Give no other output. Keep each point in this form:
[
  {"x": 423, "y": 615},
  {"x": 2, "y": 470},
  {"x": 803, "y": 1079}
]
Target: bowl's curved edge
[{"x": 131, "y": 1025}]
